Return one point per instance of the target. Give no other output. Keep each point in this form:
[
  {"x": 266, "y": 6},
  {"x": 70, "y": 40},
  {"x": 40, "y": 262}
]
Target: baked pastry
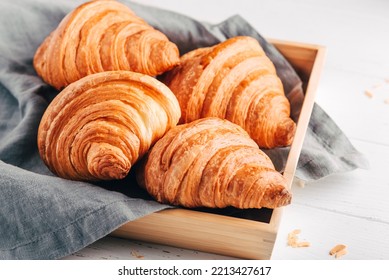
[
  {"x": 98, "y": 126},
  {"x": 234, "y": 80},
  {"x": 211, "y": 163},
  {"x": 102, "y": 35}
]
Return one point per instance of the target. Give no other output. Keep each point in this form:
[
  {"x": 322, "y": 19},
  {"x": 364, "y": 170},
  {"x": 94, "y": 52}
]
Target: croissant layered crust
[
  {"x": 102, "y": 35},
  {"x": 234, "y": 80},
  {"x": 99, "y": 126},
  {"x": 212, "y": 163}
]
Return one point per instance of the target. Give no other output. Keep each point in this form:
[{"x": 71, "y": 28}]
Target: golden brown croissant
[
  {"x": 234, "y": 80},
  {"x": 99, "y": 36},
  {"x": 212, "y": 163},
  {"x": 97, "y": 127}
]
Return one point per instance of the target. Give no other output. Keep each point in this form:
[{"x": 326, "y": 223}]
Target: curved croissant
[
  {"x": 212, "y": 163},
  {"x": 234, "y": 80},
  {"x": 99, "y": 36},
  {"x": 97, "y": 127}
]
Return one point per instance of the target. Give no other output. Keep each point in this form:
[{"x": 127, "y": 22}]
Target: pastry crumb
[
  {"x": 300, "y": 183},
  {"x": 369, "y": 93},
  {"x": 338, "y": 250},
  {"x": 340, "y": 253},
  {"x": 303, "y": 244},
  {"x": 294, "y": 242},
  {"x": 136, "y": 254},
  {"x": 386, "y": 101}
]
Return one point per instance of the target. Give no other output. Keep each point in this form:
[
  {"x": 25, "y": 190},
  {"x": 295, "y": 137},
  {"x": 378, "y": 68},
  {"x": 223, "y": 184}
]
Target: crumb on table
[
  {"x": 369, "y": 93},
  {"x": 338, "y": 250},
  {"x": 293, "y": 240}
]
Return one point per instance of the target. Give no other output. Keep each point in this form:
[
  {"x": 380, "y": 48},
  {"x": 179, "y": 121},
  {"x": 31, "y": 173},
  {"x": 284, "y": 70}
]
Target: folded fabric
[{"x": 46, "y": 217}]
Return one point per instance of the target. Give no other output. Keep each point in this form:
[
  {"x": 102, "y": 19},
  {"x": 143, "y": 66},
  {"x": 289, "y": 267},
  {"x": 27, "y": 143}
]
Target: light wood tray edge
[{"x": 314, "y": 56}]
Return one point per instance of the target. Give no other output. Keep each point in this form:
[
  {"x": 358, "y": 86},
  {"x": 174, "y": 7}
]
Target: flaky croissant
[
  {"x": 234, "y": 80},
  {"x": 212, "y": 163},
  {"x": 98, "y": 127},
  {"x": 102, "y": 35}
]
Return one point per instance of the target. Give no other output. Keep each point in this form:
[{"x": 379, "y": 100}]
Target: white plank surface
[
  {"x": 111, "y": 248},
  {"x": 350, "y": 208}
]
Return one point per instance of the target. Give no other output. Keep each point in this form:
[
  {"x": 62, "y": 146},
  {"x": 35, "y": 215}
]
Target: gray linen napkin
[{"x": 46, "y": 217}]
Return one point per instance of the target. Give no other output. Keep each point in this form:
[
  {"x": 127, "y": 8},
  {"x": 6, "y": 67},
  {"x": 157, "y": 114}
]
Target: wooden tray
[{"x": 248, "y": 236}]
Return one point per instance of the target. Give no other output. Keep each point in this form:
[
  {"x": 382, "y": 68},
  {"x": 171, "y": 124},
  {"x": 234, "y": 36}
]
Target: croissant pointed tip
[
  {"x": 107, "y": 162},
  {"x": 167, "y": 54},
  {"x": 285, "y": 132},
  {"x": 276, "y": 197}
]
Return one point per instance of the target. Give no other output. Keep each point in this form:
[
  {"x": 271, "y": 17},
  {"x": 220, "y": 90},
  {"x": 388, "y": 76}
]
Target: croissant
[
  {"x": 211, "y": 163},
  {"x": 234, "y": 80},
  {"x": 99, "y": 36},
  {"x": 100, "y": 125}
]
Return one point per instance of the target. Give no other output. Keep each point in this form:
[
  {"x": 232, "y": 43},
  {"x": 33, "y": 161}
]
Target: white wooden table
[{"x": 350, "y": 208}]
